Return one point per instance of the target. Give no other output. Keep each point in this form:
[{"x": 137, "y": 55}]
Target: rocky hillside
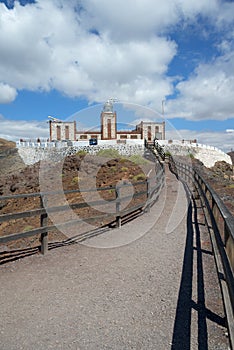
[
  {"x": 221, "y": 178},
  {"x": 231, "y": 154},
  {"x": 17, "y": 178},
  {"x": 10, "y": 161},
  {"x": 27, "y": 181}
]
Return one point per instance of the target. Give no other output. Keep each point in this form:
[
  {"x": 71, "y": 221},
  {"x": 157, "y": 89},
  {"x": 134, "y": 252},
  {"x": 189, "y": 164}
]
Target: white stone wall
[
  {"x": 31, "y": 155},
  {"x": 57, "y": 151},
  {"x": 208, "y": 155}
]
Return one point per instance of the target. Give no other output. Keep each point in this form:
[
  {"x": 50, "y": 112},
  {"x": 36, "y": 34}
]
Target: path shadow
[{"x": 182, "y": 325}]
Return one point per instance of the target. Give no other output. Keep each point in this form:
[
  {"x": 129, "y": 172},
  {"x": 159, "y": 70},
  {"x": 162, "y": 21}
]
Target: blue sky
[{"x": 140, "y": 52}]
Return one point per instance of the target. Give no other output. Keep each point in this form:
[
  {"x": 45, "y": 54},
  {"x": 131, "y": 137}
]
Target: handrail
[
  {"x": 222, "y": 235},
  {"x": 155, "y": 146}
]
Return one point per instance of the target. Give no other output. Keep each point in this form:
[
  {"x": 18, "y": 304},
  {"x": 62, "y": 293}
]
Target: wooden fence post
[
  {"x": 118, "y": 205},
  {"x": 44, "y": 235},
  {"x": 148, "y": 195}
]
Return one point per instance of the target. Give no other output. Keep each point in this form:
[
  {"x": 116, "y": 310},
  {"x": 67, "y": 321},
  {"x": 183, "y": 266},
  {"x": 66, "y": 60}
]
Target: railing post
[
  {"x": 188, "y": 173},
  {"x": 118, "y": 205},
  {"x": 148, "y": 195},
  {"x": 44, "y": 235},
  {"x": 213, "y": 208},
  {"x": 229, "y": 244}
]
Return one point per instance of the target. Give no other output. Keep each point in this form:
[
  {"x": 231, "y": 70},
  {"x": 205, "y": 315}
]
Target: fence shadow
[
  {"x": 182, "y": 325},
  {"x": 13, "y": 255}
]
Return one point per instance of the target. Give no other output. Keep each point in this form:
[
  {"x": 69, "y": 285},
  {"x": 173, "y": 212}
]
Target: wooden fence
[{"x": 147, "y": 193}]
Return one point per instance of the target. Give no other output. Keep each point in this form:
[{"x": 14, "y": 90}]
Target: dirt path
[{"x": 130, "y": 296}]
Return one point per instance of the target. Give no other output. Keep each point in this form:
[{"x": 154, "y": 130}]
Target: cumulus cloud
[
  {"x": 221, "y": 139},
  {"x": 126, "y": 20},
  {"x": 16, "y": 129},
  {"x": 100, "y": 48},
  {"x": 208, "y": 94},
  {"x": 7, "y": 93},
  {"x": 47, "y": 53}
]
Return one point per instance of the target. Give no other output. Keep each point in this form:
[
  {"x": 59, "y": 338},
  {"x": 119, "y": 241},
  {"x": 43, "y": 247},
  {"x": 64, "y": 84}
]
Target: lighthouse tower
[{"x": 108, "y": 122}]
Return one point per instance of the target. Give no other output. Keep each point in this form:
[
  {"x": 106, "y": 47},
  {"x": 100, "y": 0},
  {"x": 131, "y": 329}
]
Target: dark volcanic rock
[
  {"x": 221, "y": 179},
  {"x": 231, "y": 154}
]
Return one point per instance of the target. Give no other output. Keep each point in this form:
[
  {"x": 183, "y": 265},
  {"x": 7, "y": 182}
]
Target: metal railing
[
  {"x": 221, "y": 230},
  {"x": 156, "y": 149}
]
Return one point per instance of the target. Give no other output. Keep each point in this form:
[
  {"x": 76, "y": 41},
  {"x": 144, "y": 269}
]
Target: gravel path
[{"x": 124, "y": 297}]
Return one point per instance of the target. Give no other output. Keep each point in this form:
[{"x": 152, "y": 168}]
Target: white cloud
[
  {"x": 208, "y": 94},
  {"x": 126, "y": 20},
  {"x": 7, "y": 93},
  {"x": 219, "y": 139},
  {"x": 16, "y": 129},
  {"x": 48, "y": 53},
  {"x": 51, "y": 44}
]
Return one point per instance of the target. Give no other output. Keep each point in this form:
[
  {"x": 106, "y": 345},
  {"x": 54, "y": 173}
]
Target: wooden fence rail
[{"x": 150, "y": 190}]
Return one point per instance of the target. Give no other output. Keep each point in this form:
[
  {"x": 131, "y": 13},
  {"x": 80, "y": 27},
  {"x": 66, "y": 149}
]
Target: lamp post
[
  {"x": 163, "y": 101},
  {"x": 163, "y": 115}
]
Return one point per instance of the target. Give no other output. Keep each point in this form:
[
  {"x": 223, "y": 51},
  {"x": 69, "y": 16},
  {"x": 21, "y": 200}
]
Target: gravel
[{"x": 84, "y": 297}]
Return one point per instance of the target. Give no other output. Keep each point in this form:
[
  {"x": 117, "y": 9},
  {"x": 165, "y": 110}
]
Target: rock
[
  {"x": 4, "y": 248},
  {"x": 2, "y": 204},
  {"x": 14, "y": 187},
  {"x": 10, "y": 161},
  {"x": 231, "y": 154}
]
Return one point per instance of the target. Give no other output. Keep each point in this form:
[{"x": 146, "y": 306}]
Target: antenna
[
  {"x": 54, "y": 119},
  {"x": 112, "y": 100}
]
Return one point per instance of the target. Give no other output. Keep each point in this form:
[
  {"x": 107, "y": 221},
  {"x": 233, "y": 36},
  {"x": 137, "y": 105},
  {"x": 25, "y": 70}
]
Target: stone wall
[
  {"x": 31, "y": 155},
  {"x": 207, "y": 156}
]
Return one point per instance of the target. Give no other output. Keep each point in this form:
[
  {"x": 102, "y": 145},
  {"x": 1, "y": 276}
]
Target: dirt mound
[
  {"x": 5, "y": 144},
  {"x": 10, "y": 161}
]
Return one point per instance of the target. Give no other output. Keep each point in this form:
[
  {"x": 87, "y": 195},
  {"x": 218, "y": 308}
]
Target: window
[
  {"x": 123, "y": 136},
  {"x": 83, "y": 137},
  {"x": 58, "y": 132},
  {"x": 133, "y": 136},
  {"x": 149, "y": 133},
  {"x": 66, "y": 132},
  {"x": 109, "y": 129}
]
